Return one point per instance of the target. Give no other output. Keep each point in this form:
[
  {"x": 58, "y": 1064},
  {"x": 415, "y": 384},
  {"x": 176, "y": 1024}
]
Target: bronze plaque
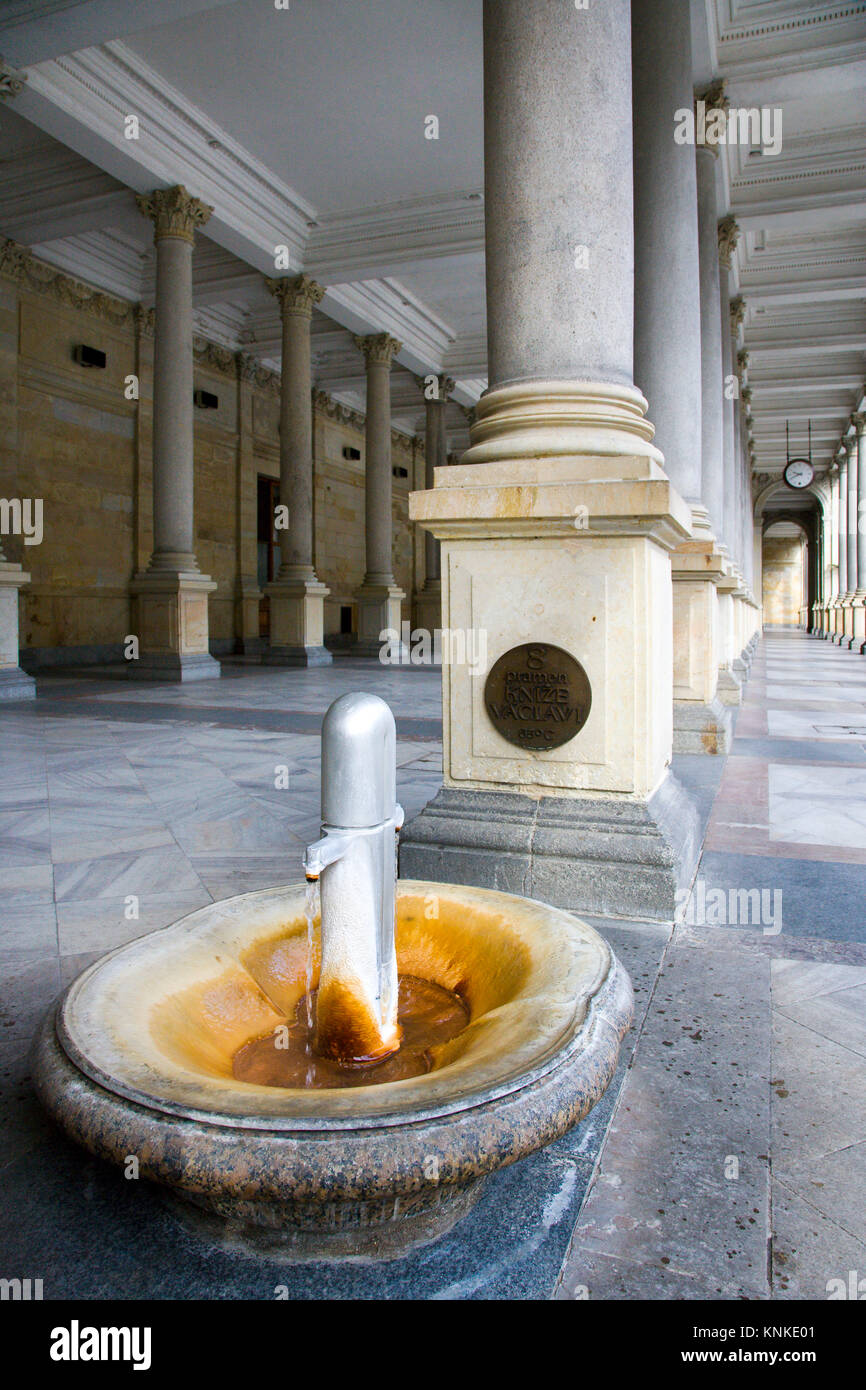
[{"x": 537, "y": 696}]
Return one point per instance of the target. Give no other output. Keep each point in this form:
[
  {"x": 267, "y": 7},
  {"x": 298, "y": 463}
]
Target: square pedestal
[
  {"x": 297, "y": 624},
  {"x": 15, "y": 684},
  {"x": 702, "y": 723},
  {"x": 597, "y": 824},
  {"x": 379, "y": 610},
  {"x": 170, "y": 619}
]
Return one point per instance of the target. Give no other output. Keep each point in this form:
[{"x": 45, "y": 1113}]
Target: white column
[
  {"x": 296, "y": 598},
  {"x": 379, "y": 598},
  {"x": 842, "y": 630},
  {"x": 858, "y": 599},
  {"x": 557, "y": 524},
  {"x": 171, "y": 597},
  {"x": 668, "y": 311}
]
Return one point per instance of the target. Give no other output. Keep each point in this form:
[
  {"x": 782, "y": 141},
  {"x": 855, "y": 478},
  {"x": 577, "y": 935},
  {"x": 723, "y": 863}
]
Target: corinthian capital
[
  {"x": 173, "y": 212},
  {"x": 738, "y": 312},
  {"x": 297, "y": 294},
  {"x": 11, "y": 82},
  {"x": 858, "y": 420},
  {"x": 435, "y": 388},
  {"x": 729, "y": 235},
  {"x": 710, "y": 100},
  {"x": 378, "y": 347}
]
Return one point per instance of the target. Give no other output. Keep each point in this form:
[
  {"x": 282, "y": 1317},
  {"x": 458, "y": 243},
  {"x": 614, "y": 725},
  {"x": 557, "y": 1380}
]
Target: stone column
[
  {"x": 428, "y": 602},
  {"x": 841, "y": 632},
  {"x": 668, "y": 311},
  {"x": 379, "y": 597},
  {"x": 712, "y": 388},
  {"x": 830, "y": 551},
  {"x": 858, "y": 420},
  {"x": 557, "y": 524},
  {"x": 297, "y": 598},
  {"x": 730, "y": 686},
  {"x": 850, "y": 597},
  {"x": 248, "y": 595},
  {"x": 14, "y": 683},
  {"x": 170, "y": 609}
]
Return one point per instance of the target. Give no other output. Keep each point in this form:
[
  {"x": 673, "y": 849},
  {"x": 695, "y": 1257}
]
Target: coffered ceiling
[{"x": 304, "y": 127}]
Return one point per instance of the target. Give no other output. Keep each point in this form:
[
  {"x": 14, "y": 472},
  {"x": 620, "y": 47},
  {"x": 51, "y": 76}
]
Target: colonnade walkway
[{"x": 737, "y": 1127}]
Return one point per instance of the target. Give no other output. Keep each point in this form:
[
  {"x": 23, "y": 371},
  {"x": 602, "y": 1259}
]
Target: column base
[
  {"x": 605, "y": 856},
  {"x": 171, "y": 666},
  {"x": 15, "y": 684},
  {"x": 428, "y": 609},
  {"x": 730, "y": 688},
  {"x": 297, "y": 608},
  {"x": 296, "y": 656},
  {"x": 170, "y": 617},
  {"x": 702, "y": 728},
  {"x": 379, "y": 610}
]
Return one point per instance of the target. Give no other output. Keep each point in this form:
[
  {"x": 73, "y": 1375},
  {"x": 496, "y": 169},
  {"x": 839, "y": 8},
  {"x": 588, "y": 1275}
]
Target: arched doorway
[{"x": 785, "y": 575}]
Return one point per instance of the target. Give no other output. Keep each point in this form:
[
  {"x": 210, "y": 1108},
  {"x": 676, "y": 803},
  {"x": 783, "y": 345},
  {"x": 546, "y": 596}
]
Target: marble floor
[{"x": 122, "y": 808}]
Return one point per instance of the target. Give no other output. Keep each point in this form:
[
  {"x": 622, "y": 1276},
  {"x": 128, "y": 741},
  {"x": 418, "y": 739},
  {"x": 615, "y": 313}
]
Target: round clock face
[{"x": 799, "y": 473}]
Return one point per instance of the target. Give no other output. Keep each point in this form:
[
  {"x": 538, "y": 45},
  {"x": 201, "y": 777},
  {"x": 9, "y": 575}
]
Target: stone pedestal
[
  {"x": 15, "y": 684},
  {"x": 702, "y": 723},
  {"x": 248, "y": 598},
  {"x": 730, "y": 686},
  {"x": 170, "y": 616},
  {"x": 379, "y": 610},
  {"x": 598, "y": 823},
  {"x": 297, "y": 610}
]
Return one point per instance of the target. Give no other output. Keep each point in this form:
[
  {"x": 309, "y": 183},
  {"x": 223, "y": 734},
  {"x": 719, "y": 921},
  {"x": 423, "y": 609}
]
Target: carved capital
[
  {"x": 742, "y": 361},
  {"x": 713, "y": 99},
  {"x": 738, "y": 312},
  {"x": 11, "y": 81},
  {"x": 729, "y": 235},
  {"x": 297, "y": 294},
  {"x": 378, "y": 347},
  {"x": 250, "y": 369},
  {"x": 443, "y": 388},
  {"x": 173, "y": 212},
  {"x": 858, "y": 420},
  {"x": 849, "y": 444},
  {"x": 144, "y": 319}
]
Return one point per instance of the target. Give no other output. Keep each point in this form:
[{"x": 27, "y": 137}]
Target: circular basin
[{"x": 136, "y": 1060}]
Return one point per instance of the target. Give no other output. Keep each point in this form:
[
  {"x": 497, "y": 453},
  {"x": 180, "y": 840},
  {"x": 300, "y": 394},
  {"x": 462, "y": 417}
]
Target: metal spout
[{"x": 355, "y": 859}]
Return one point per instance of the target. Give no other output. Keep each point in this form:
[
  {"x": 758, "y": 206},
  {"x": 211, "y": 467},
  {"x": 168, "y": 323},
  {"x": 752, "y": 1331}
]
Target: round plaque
[{"x": 537, "y": 696}]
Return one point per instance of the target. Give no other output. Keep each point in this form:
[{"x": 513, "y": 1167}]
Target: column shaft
[
  {"x": 712, "y": 397},
  {"x": 379, "y": 599},
  {"x": 173, "y": 457}
]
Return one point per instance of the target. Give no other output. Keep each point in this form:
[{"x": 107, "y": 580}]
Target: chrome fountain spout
[{"x": 356, "y": 863}]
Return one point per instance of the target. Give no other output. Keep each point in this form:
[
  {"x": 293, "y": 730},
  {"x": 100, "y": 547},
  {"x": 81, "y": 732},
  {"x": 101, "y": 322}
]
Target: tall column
[
  {"x": 171, "y": 596},
  {"x": 730, "y": 686},
  {"x": 850, "y": 597},
  {"x": 15, "y": 684},
  {"x": 428, "y": 602},
  {"x": 712, "y": 389},
  {"x": 668, "y": 311},
  {"x": 296, "y": 597},
  {"x": 379, "y": 597},
  {"x": 830, "y": 552},
  {"x": 858, "y": 420},
  {"x": 557, "y": 524},
  {"x": 844, "y": 588}
]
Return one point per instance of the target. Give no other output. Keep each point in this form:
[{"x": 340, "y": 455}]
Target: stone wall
[
  {"x": 784, "y": 559},
  {"x": 78, "y": 439}
]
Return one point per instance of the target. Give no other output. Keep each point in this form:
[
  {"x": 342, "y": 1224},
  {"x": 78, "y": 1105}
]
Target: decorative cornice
[
  {"x": 335, "y": 410},
  {"x": 220, "y": 359},
  {"x": 174, "y": 212},
  {"x": 11, "y": 81},
  {"x": 378, "y": 347},
  {"x": 297, "y": 294},
  {"x": 17, "y": 263},
  {"x": 729, "y": 235},
  {"x": 250, "y": 369}
]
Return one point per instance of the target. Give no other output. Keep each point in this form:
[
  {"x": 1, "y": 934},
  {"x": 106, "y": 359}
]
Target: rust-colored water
[{"x": 428, "y": 1015}]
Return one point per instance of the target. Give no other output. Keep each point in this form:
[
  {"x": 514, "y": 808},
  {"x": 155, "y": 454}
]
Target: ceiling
[{"x": 304, "y": 127}]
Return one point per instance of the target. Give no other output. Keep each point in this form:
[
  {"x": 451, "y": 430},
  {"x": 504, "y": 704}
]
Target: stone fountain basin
[{"x": 136, "y": 1059}]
